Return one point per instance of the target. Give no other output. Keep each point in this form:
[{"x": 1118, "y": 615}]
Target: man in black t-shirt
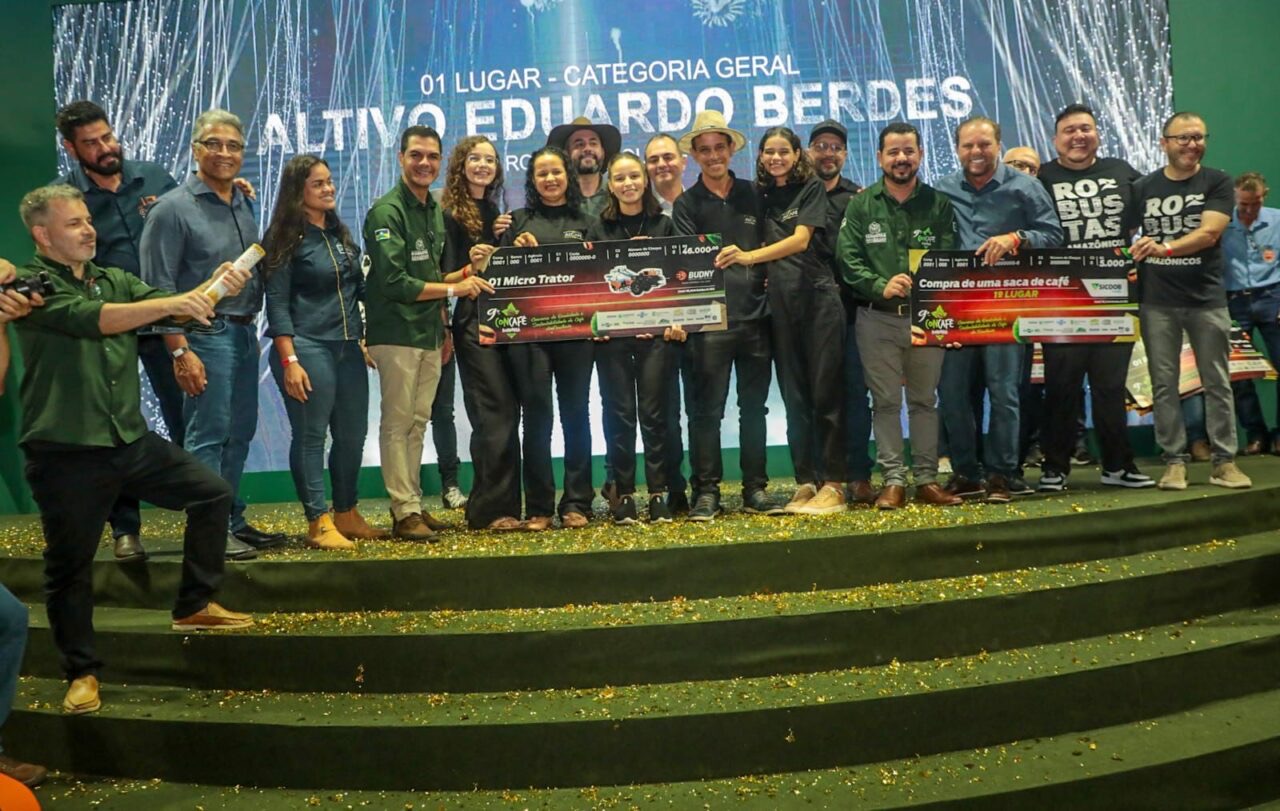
[
  {"x": 720, "y": 203},
  {"x": 828, "y": 149},
  {"x": 1183, "y": 209},
  {"x": 1092, "y": 196}
]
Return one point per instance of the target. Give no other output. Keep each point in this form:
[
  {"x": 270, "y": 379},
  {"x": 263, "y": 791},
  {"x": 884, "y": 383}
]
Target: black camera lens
[{"x": 40, "y": 283}]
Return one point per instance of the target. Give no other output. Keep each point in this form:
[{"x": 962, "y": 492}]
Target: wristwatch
[{"x": 1023, "y": 236}]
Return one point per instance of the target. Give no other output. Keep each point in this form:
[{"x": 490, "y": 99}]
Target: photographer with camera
[
  {"x": 16, "y": 301},
  {"x": 84, "y": 437}
]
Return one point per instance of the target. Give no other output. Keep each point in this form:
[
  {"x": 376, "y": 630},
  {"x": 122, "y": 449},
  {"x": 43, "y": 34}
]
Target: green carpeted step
[
  {"x": 737, "y": 556},
  {"x": 648, "y": 733},
  {"x": 684, "y": 639},
  {"x": 1221, "y": 755}
]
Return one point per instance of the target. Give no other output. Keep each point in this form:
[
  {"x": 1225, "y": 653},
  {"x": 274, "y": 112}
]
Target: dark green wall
[
  {"x": 1220, "y": 50},
  {"x": 1223, "y": 51},
  {"x": 26, "y": 142}
]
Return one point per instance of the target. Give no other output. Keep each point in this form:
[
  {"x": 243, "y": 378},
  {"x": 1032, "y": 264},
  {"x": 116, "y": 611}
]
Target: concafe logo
[
  {"x": 935, "y": 321},
  {"x": 508, "y": 318},
  {"x": 924, "y": 237}
]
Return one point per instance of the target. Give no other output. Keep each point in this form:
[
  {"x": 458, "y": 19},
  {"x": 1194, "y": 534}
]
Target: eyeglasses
[
  {"x": 1188, "y": 138},
  {"x": 1025, "y": 166},
  {"x": 832, "y": 149},
  {"x": 230, "y": 147}
]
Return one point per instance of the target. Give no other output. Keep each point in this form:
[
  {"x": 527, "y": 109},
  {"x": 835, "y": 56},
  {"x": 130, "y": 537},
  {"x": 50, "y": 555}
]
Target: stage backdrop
[{"x": 341, "y": 78}]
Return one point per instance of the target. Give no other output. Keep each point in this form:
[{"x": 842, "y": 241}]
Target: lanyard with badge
[{"x": 1268, "y": 253}]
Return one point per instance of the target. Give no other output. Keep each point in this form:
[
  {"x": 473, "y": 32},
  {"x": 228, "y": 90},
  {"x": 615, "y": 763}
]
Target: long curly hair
[
  {"x": 800, "y": 172},
  {"x": 289, "y": 220},
  {"x": 457, "y": 199},
  {"x": 613, "y": 206},
  {"x": 573, "y": 197}
]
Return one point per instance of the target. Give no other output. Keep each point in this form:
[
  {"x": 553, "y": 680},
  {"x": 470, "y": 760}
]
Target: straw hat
[
  {"x": 608, "y": 134},
  {"x": 711, "y": 121}
]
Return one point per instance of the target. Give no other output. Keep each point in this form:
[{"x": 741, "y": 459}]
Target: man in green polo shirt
[
  {"x": 84, "y": 437},
  {"x": 880, "y": 226},
  {"x": 404, "y": 321}
]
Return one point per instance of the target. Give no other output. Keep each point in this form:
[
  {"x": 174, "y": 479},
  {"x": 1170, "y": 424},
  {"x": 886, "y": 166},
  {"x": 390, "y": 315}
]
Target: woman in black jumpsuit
[
  {"x": 472, "y": 195},
  {"x": 553, "y": 214},
  {"x": 635, "y": 373}
]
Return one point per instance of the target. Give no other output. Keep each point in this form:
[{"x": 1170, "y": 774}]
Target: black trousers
[
  {"x": 743, "y": 349},
  {"x": 680, "y": 379},
  {"x": 125, "y": 518},
  {"x": 489, "y": 396},
  {"x": 808, "y": 349},
  {"x": 1065, "y": 366},
  {"x": 569, "y": 364},
  {"x": 444, "y": 433},
  {"x": 75, "y": 489},
  {"x": 635, "y": 378}
]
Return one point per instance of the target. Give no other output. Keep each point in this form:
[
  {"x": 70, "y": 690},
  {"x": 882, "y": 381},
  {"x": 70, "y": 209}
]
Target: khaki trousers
[{"x": 407, "y": 378}]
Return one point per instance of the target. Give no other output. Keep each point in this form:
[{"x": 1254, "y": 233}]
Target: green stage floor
[
  {"x": 20, "y": 535},
  {"x": 1097, "y": 648}
]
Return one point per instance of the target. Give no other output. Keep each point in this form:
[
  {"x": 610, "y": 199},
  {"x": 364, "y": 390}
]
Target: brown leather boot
[
  {"x": 933, "y": 494},
  {"x": 352, "y": 524},
  {"x": 892, "y": 497},
  {"x": 322, "y": 534},
  {"x": 413, "y": 528}
]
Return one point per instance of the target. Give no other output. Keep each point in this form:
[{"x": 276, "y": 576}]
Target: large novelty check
[
  {"x": 583, "y": 290},
  {"x": 1046, "y": 296}
]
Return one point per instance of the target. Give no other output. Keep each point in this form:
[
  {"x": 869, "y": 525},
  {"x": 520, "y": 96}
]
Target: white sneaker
[
  {"x": 1127, "y": 478},
  {"x": 1174, "y": 478},
  {"x": 454, "y": 498},
  {"x": 1228, "y": 475}
]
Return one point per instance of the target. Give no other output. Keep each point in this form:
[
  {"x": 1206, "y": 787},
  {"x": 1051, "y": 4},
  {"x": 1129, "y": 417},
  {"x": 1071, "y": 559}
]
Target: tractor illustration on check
[{"x": 623, "y": 279}]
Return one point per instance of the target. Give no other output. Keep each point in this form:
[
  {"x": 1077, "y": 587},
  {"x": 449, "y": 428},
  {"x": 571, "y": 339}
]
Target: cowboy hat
[
  {"x": 608, "y": 134},
  {"x": 711, "y": 121}
]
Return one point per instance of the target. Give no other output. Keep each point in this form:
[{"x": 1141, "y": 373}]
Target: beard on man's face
[{"x": 108, "y": 163}]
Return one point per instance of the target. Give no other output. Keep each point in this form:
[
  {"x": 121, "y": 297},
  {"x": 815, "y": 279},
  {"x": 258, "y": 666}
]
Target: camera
[{"x": 40, "y": 283}]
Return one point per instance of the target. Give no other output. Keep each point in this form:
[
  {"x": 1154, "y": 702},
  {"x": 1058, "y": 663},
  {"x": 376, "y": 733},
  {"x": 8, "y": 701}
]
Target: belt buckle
[{"x": 904, "y": 309}]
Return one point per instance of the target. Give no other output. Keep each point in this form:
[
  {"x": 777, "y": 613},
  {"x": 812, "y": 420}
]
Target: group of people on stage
[{"x": 817, "y": 286}]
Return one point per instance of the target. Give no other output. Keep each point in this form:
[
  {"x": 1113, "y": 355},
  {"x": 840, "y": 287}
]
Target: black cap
[{"x": 832, "y": 126}]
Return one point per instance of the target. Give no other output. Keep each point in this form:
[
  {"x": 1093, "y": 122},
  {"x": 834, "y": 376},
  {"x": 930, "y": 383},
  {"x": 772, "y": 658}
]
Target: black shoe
[
  {"x": 758, "y": 502},
  {"x": 258, "y": 539},
  {"x": 706, "y": 508},
  {"x": 625, "y": 512},
  {"x": 963, "y": 486},
  {"x": 659, "y": 512},
  {"x": 998, "y": 489},
  {"x": 1018, "y": 487},
  {"x": 677, "y": 502},
  {"x": 129, "y": 547},
  {"x": 610, "y": 493},
  {"x": 239, "y": 550}
]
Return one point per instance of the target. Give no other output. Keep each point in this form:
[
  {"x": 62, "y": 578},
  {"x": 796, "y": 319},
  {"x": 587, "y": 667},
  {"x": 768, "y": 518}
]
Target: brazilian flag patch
[{"x": 382, "y": 234}]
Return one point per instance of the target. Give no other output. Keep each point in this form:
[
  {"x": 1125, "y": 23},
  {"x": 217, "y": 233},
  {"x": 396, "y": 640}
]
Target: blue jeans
[
  {"x": 1001, "y": 368},
  {"x": 444, "y": 431},
  {"x": 338, "y": 404},
  {"x": 13, "y": 640},
  {"x": 221, "y": 421},
  {"x": 858, "y": 404},
  {"x": 1256, "y": 311}
]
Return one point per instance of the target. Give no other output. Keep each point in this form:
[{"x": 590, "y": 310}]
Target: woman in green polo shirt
[{"x": 314, "y": 288}]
